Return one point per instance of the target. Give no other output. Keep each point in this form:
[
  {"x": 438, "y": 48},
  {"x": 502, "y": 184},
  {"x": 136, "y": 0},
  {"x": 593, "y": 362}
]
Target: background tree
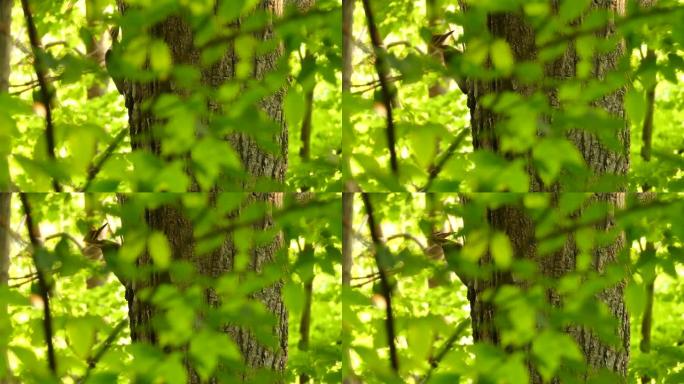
[
  {"x": 175, "y": 33},
  {"x": 550, "y": 87},
  {"x": 515, "y": 40},
  {"x": 5, "y": 195}
]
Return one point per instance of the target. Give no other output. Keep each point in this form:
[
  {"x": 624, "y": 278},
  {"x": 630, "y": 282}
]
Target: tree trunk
[
  {"x": 5, "y": 195},
  {"x": 348, "y": 375},
  {"x": 5, "y": 53},
  {"x": 5, "y": 42},
  {"x": 258, "y": 163},
  {"x": 520, "y": 229},
  {"x": 518, "y": 225},
  {"x": 178, "y": 35},
  {"x": 179, "y": 231},
  {"x": 5, "y": 210}
]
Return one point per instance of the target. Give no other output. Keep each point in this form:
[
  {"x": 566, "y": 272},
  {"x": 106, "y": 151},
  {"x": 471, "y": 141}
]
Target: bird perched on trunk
[
  {"x": 449, "y": 56},
  {"x": 113, "y": 64},
  {"x": 439, "y": 246},
  {"x": 99, "y": 249}
]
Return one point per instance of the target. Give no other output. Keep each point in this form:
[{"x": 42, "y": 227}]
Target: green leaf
[
  {"x": 160, "y": 58},
  {"x": 476, "y": 246},
  {"x": 207, "y": 347},
  {"x": 635, "y": 104},
  {"x": 81, "y": 335},
  {"x": 160, "y": 249},
  {"x": 571, "y": 9},
  {"x": 635, "y": 298},
  {"x": 551, "y": 154},
  {"x": 502, "y": 56},
  {"x": 172, "y": 370},
  {"x": 550, "y": 347},
  {"x": 501, "y": 249},
  {"x": 419, "y": 337}
]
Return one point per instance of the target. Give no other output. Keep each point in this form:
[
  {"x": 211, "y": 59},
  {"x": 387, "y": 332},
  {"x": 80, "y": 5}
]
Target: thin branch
[
  {"x": 305, "y": 321},
  {"x": 275, "y": 215},
  {"x": 34, "y": 235},
  {"x": 360, "y": 45},
  {"x": 370, "y": 280},
  {"x": 368, "y": 276},
  {"x": 96, "y": 167},
  {"x": 383, "y": 75},
  {"x": 13, "y": 234},
  {"x": 20, "y": 45},
  {"x": 19, "y": 284},
  {"x": 373, "y": 277},
  {"x": 448, "y": 344},
  {"x": 409, "y": 237},
  {"x": 39, "y": 67},
  {"x": 583, "y": 224},
  {"x": 29, "y": 275},
  {"x": 404, "y": 43},
  {"x": 306, "y": 128},
  {"x": 104, "y": 347},
  {"x": 375, "y": 82},
  {"x": 380, "y": 247},
  {"x": 347, "y": 236},
  {"x": 618, "y": 23},
  {"x": 647, "y": 129},
  {"x": 435, "y": 169},
  {"x": 255, "y": 28},
  {"x": 66, "y": 236}
]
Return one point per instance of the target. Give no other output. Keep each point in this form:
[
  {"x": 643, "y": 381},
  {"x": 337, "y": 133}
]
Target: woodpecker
[
  {"x": 440, "y": 247},
  {"x": 449, "y": 56},
  {"x": 99, "y": 249},
  {"x": 112, "y": 64}
]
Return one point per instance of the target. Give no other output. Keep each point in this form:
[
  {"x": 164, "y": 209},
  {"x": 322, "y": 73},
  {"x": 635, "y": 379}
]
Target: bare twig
[
  {"x": 19, "y": 284},
  {"x": 647, "y": 130},
  {"x": 29, "y": 275},
  {"x": 383, "y": 75},
  {"x": 583, "y": 224},
  {"x": 369, "y": 280},
  {"x": 95, "y": 167},
  {"x": 618, "y": 23},
  {"x": 256, "y": 28},
  {"x": 305, "y": 136},
  {"x": 305, "y": 320},
  {"x": 34, "y": 235},
  {"x": 39, "y": 67},
  {"x": 376, "y": 235},
  {"x": 435, "y": 169},
  {"x": 448, "y": 344},
  {"x": 375, "y": 82},
  {"x": 65, "y": 236},
  {"x": 409, "y": 237},
  {"x": 276, "y": 214},
  {"x": 104, "y": 347}
]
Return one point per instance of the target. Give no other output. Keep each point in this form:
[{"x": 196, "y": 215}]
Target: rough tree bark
[
  {"x": 258, "y": 163},
  {"x": 179, "y": 37},
  {"x": 517, "y": 224}
]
